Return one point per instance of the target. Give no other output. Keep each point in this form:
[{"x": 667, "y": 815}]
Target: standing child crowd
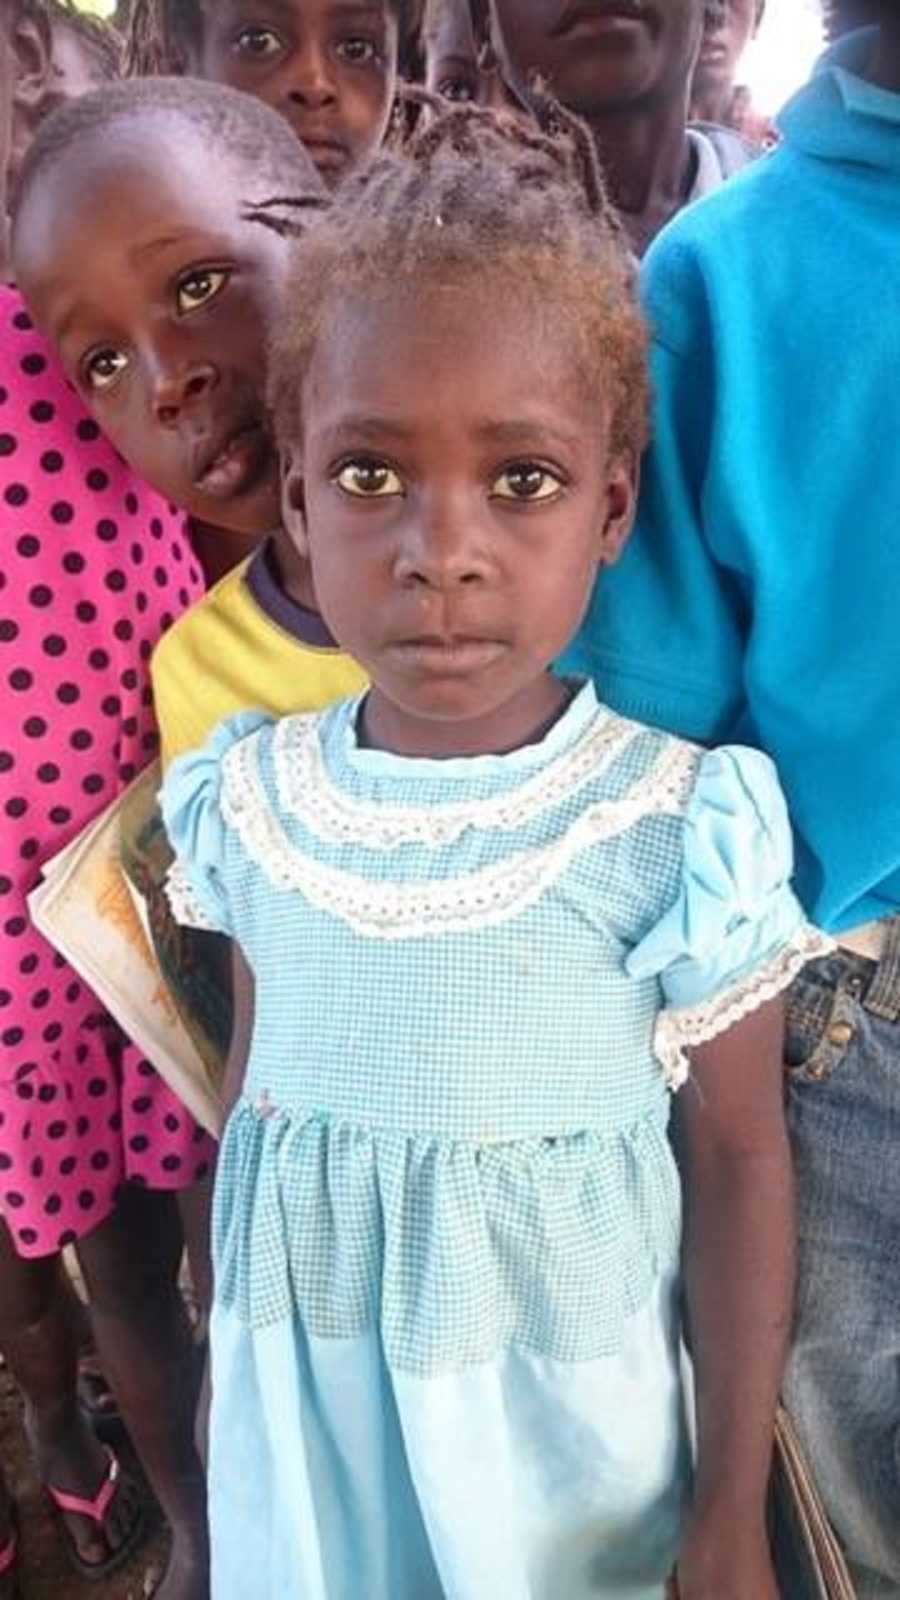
[{"x": 539, "y": 786}]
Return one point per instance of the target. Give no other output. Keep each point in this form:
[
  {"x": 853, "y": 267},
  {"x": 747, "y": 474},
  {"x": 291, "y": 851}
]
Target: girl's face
[
  {"x": 454, "y": 546},
  {"x": 599, "y": 55},
  {"x": 136, "y": 261},
  {"x": 454, "y": 60},
  {"x": 328, "y": 66}
]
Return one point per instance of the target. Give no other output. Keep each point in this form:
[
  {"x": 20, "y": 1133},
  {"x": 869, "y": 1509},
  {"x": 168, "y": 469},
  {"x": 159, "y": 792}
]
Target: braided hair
[
  {"x": 165, "y": 36},
  {"x": 479, "y": 198}
]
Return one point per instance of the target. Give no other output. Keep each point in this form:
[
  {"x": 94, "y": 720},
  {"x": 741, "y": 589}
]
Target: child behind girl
[
  {"x": 93, "y": 1145},
  {"x": 486, "y": 919},
  {"x": 167, "y": 347},
  {"x": 328, "y": 67}
]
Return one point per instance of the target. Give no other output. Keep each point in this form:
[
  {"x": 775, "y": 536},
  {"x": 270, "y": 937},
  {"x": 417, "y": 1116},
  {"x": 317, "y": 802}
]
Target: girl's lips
[
  {"x": 238, "y": 466},
  {"x": 448, "y": 657}
]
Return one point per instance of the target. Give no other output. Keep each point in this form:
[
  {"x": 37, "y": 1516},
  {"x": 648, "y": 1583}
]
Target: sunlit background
[
  {"x": 781, "y": 58},
  {"x": 778, "y": 62}
]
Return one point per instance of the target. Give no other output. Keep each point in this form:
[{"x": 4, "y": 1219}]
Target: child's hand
[{"x": 719, "y": 1563}]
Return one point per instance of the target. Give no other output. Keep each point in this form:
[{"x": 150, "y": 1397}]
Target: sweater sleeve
[{"x": 665, "y": 633}]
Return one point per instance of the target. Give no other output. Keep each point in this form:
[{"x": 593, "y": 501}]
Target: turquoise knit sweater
[{"x": 759, "y": 598}]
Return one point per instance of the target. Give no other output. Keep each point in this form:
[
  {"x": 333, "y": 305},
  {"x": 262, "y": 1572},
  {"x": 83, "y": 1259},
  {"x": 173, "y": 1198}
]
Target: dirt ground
[{"x": 44, "y": 1571}]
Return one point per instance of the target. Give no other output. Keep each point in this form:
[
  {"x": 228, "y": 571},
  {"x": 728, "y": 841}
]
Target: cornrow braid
[
  {"x": 165, "y": 35},
  {"x": 293, "y": 209},
  {"x": 480, "y": 199}
]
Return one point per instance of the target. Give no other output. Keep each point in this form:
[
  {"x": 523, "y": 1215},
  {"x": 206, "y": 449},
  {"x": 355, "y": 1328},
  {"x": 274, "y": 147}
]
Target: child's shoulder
[
  {"x": 228, "y": 654},
  {"x": 724, "y": 802},
  {"x": 201, "y": 627}
]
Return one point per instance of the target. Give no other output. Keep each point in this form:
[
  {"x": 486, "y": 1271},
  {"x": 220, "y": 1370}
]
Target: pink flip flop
[
  {"x": 95, "y": 1510},
  {"x": 9, "y": 1552}
]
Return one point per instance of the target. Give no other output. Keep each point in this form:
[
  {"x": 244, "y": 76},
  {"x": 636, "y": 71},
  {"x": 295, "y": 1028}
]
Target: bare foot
[
  {"x": 71, "y": 1459},
  {"x": 187, "y": 1575}
]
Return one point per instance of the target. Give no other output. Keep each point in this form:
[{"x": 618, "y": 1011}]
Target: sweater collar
[{"x": 840, "y": 116}]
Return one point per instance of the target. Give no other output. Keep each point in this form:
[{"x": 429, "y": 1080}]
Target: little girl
[
  {"x": 328, "y": 67},
  {"x": 484, "y": 928}
]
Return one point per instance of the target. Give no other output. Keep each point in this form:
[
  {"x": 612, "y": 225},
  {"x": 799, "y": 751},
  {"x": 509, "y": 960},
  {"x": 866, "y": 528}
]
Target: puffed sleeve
[
  {"x": 190, "y": 800},
  {"x": 735, "y": 935}
]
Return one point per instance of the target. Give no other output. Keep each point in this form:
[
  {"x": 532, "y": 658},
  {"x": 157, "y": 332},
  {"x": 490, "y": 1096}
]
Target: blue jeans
[{"x": 843, "y": 1378}]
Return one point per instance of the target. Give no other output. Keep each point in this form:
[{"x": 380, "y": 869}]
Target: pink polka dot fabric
[{"x": 93, "y": 569}]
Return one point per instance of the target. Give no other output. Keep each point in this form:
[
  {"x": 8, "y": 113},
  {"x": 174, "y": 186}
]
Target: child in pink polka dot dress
[
  {"x": 93, "y": 572},
  {"x": 93, "y": 569}
]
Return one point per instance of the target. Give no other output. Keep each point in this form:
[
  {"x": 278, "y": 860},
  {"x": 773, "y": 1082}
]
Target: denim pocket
[{"x": 822, "y": 1018}]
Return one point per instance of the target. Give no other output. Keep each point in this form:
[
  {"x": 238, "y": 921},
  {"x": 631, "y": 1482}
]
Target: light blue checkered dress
[{"x": 447, "y": 1219}]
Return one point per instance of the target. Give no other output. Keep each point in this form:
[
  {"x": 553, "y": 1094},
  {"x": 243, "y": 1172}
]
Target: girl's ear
[
  {"x": 293, "y": 502},
  {"x": 622, "y": 482},
  {"x": 32, "y": 48}
]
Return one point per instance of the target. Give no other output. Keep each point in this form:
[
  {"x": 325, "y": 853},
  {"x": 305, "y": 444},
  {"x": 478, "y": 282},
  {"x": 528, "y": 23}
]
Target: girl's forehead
[
  {"x": 143, "y": 195},
  {"x": 293, "y": 12}
]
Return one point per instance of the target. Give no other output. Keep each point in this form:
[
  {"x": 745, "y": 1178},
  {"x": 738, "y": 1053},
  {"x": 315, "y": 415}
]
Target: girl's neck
[
  {"x": 218, "y": 550},
  {"x": 648, "y": 160},
  {"x": 526, "y": 720}
]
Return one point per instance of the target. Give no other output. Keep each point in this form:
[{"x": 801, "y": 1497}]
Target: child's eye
[
  {"x": 102, "y": 368},
  {"x": 199, "y": 287},
  {"x": 457, "y": 89},
  {"x": 370, "y": 480},
  {"x": 258, "y": 43},
  {"x": 359, "y": 52},
  {"x": 526, "y": 481}
]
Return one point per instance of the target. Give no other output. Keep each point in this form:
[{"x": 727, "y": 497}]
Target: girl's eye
[
  {"x": 199, "y": 287},
  {"x": 458, "y": 90},
  {"x": 527, "y": 481},
  {"x": 359, "y": 52},
  {"x": 369, "y": 480},
  {"x": 103, "y": 368},
  {"x": 258, "y": 43}
]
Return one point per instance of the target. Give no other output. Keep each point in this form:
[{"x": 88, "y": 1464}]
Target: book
[{"x": 92, "y": 912}]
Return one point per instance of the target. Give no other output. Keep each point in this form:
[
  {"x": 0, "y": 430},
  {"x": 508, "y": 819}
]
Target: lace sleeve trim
[
  {"x": 677, "y": 1030},
  {"x": 184, "y": 902}
]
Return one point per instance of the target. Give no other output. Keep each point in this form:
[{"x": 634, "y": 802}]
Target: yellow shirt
[{"x": 246, "y": 645}]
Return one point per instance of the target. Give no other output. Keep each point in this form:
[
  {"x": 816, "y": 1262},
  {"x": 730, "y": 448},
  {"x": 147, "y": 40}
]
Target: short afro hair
[
  {"x": 249, "y": 132},
  {"x": 477, "y": 198}
]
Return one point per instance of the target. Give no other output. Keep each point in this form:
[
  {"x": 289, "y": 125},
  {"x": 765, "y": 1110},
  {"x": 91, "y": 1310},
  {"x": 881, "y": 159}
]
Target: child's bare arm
[
  {"x": 243, "y": 997},
  {"x": 739, "y": 1264}
]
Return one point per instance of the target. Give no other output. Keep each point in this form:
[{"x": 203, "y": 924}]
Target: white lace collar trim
[
  {"x": 307, "y": 792},
  {"x": 427, "y": 907}
]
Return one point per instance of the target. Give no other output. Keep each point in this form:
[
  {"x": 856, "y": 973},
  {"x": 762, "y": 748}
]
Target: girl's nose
[
  {"x": 176, "y": 391},
  {"x": 312, "y": 80},
  {"x": 443, "y": 551}
]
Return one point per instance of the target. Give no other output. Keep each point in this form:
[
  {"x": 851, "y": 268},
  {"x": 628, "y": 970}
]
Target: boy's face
[
  {"x": 328, "y": 66},
  {"x": 454, "y": 548},
  {"x": 137, "y": 262},
  {"x": 724, "y": 41},
  {"x": 598, "y": 56}
]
